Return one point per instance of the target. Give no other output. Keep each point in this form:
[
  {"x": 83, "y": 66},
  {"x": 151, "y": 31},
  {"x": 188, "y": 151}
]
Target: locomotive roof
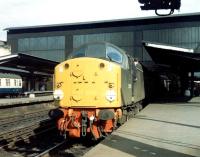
[{"x": 9, "y": 75}]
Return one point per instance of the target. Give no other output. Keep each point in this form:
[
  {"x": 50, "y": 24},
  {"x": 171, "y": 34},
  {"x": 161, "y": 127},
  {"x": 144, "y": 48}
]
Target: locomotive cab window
[
  {"x": 78, "y": 53},
  {"x": 89, "y": 50},
  {"x": 113, "y": 54},
  {"x": 101, "y": 50},
  {"x": 96, "y": 51}
]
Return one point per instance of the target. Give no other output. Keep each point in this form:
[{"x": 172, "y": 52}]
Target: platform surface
[
  {"x": 15, "y": 101},
  {"x": 159, "y": 130}
]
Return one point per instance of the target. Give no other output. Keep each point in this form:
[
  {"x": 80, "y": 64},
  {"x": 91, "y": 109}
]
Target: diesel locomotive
[{"x": 97, "y": 88}]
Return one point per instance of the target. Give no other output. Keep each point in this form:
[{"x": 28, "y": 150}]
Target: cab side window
[{"x": 113, "y": 54}]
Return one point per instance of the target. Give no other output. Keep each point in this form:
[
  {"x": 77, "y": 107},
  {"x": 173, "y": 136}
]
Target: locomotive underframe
[{"x": 77, "y": 122}]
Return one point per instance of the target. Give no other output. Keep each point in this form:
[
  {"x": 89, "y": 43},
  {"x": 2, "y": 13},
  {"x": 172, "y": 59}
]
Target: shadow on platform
[{"x": 139, "y": 149}]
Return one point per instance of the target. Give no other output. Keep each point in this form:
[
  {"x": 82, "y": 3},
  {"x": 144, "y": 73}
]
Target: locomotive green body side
[{"x": 132, "y": 83}]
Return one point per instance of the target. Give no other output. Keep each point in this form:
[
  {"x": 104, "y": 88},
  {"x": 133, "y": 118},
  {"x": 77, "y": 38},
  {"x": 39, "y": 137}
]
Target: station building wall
[
  {"x": 57, "y": 45},
  {"x": 52, "y": 48}
]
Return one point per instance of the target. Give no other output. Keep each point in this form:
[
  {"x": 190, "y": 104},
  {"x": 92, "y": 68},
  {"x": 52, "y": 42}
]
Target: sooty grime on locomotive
[{"x": 96, "y": 88}]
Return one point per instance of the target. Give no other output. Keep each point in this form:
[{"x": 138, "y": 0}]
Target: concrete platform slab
[
  {"x": 160, "y": 130},
  {"x": 16, "y": 101}
]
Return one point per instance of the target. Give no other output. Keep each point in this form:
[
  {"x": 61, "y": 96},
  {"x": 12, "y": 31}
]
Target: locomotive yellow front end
[
  {"x": 88, "y": 92},
  {"x": 88, "y": 82}
]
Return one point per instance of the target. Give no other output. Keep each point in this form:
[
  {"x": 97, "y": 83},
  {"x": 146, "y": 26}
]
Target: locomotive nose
[{"x": 88, "y": 82}]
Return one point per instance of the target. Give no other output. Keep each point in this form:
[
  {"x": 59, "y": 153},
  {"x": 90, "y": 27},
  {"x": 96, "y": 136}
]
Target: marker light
[
  {"x": 111, "y": 95},
  {"x": 58, "y": 94},
  {"x": 101, "y": 65},
  {"x": 66, "y": 66}
]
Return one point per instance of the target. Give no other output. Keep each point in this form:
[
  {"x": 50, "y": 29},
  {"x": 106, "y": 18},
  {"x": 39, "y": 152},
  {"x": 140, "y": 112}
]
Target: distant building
[{"x": 4, "y": 48}]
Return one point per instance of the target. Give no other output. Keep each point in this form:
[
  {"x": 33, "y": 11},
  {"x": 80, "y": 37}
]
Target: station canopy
[
  {"x": 175, "y": 57},
  {"x": 26, "y": 63}
]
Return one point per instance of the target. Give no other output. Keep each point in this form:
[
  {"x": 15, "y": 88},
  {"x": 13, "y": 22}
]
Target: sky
[{"x": 15, "y": 13}]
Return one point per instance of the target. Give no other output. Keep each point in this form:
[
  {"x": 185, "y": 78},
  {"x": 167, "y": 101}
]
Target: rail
[
  {"x": 18, "y": 128},
  {"x": 10, "y": 122},
  {"x": 46, "y": 152}
]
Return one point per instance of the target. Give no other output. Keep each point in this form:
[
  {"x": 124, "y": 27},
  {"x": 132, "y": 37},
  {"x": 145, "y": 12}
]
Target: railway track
[
  {"x": 29, "y": 131},
  {"x": 75, "y": 148},
  {"x": 23, "y": 121},
  {"x": 21, "y": 127},
  {"x": 50, "y": 144},
  {"x": 47, "y": 151},
  {"x": 9, "y": 122},
  {"x": 34, "y": 144},
  {"x": 24, "y": 132}
]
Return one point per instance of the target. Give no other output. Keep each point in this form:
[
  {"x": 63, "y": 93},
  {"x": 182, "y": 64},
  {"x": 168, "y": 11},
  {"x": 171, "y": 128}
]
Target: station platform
[
  {"x": 159, "y": 130},
  {"x": 15, "y": 101}
]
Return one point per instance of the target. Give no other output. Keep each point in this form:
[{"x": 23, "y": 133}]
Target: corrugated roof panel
[
  {"x": 105, "y": 24},
  {"x": 9, "y": 75}
]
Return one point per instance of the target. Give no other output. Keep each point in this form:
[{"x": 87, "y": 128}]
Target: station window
[
  {"x": 15, "y": 82},
  {"x": 8, "y": 82},
  {"x": 20, "y": 83}
]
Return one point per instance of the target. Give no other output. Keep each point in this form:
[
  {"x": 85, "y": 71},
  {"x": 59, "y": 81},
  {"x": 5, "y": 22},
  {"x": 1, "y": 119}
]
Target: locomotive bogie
[{"x": 79, "y": 123}]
